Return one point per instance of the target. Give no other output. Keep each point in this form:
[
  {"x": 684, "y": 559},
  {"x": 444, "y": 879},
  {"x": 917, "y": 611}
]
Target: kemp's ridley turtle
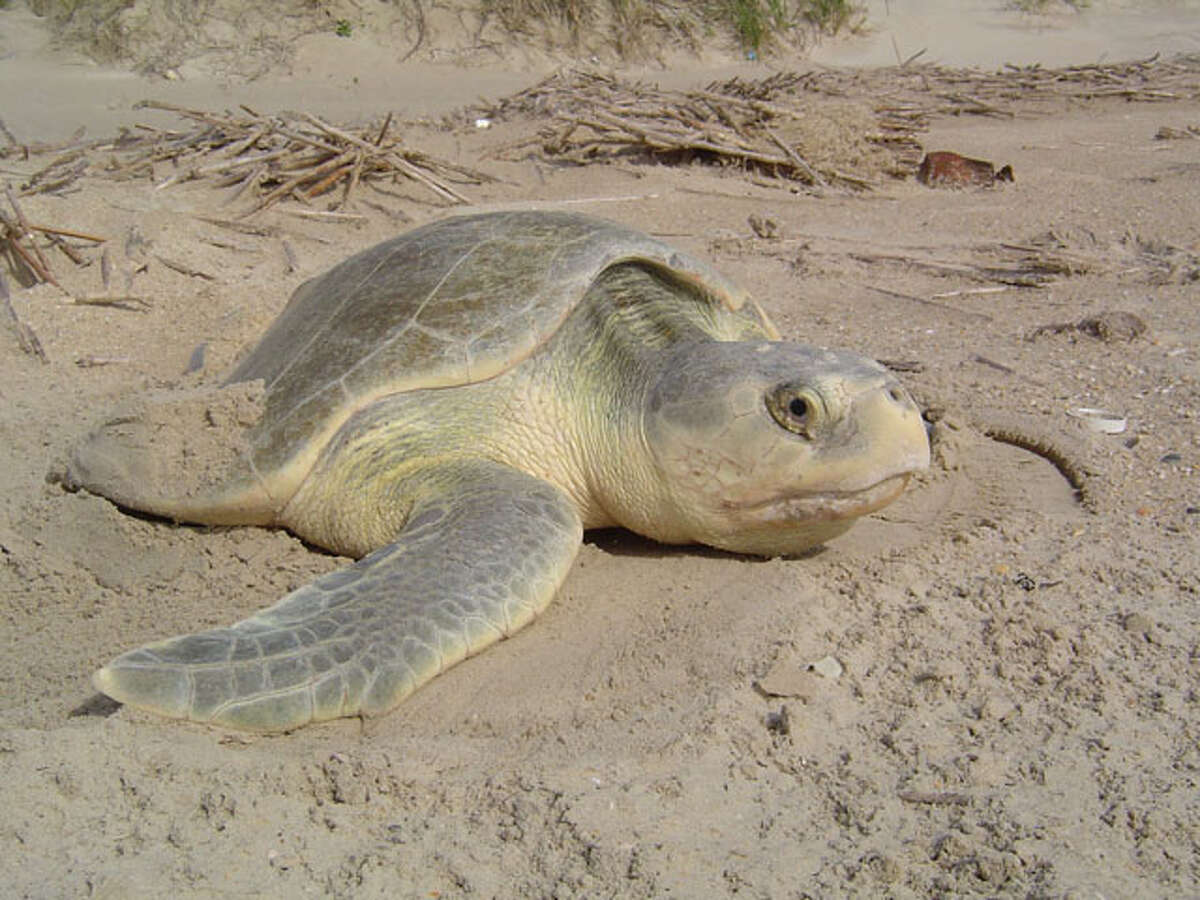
[{"x": 455, "y": 406}]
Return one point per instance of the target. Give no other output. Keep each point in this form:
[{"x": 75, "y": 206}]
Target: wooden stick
[
  {"x": 383, "y": 130},
  {"x": 129, "y": 302},
  {"x": 326, "y": 216},
  {"x": 307, "y": 140},
  {"x": 197, "y": 114},
  {"x": 409, "y": 169},
  {"x": 1000, "y": 367},
  {"x": 70, "y": 252},
  {"x": 45, "y": 273},
  {"x": 287, "y": 187},
  {"x": 329, "y": 181},
  {"x": 249, "y": 181},
  {"x": 34, "y": 266},
  {"x": 105, "y": 269},
  {"x": 355, "y": 174},
  {"x": 222, "y": 166},
  {"x": 241, "y": 227},
  {"x": 338, "y": 133},
  {"x": 26, "y": 337},
  {"x": 809, "y": 173},
  {"x": 437, "y": 187},
  {"x": 924, "y": 302},
  {"x": 66, "y": 232},
  {"x": 238, "y": 147},
  {"x": 980, "y": 290},
  {"x": 183, "y": 268}
]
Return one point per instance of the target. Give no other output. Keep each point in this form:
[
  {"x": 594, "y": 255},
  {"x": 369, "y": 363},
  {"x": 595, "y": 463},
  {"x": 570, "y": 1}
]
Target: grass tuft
[
  {"x": 530, "y": 16},
  {"x": 831, "y": 16},
  {"x": 1038, "y": 7},
  {"x": 758, "y": 24},
  {"x": 158, "y": 36}
]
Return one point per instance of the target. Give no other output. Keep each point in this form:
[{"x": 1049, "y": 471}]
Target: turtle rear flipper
[
  {"x": 483, "y": 551},
  {"x": 183, "y": 455}
]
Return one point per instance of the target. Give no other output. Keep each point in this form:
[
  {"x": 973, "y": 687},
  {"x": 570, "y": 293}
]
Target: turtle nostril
[{"x": 897, "y": 394}]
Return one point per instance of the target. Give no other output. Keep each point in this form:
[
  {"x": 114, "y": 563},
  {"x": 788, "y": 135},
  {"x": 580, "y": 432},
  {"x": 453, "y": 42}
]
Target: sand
[{"x": 1013, "y": 708}]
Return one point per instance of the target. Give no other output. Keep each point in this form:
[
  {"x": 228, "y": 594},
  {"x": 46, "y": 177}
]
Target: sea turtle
[{"x": 453, "y": 407}]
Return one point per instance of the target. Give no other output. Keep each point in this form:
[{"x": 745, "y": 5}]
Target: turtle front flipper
[{"x": 484, "y": 549}]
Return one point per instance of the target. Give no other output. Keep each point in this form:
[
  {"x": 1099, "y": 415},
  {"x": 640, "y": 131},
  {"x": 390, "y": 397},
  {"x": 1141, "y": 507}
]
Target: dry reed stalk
[
  {"x": 106, "y": 269},
  {"x": 11, "y": 235},
  {"x": 241, "y": 227},
  {"x": 594, "y": 118},
  {"x": 742, "y": 122},
  {"x": 21, "y": 231},
  {"x": 130, "y": 302},
  {"x": 270, "y": 157},
  {"x": 328, "y": 216},
  {"x": 67, "y": 232},
  {"x": 183, "y": 268},
  {"x": 90, "y": 362},
  {"x": 67, "y": 250},
  {"x": 26, "y": 337}
]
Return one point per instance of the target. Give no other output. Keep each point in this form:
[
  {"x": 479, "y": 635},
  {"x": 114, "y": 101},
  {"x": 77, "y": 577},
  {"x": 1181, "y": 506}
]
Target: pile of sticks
[
  {"x": 745, "y": 122},
  {"x": 917, "y": 92},
  {"x": 596, "y": 117},
  {"x": 266, "y": 158},
  {"x": 18, "y": 242}
]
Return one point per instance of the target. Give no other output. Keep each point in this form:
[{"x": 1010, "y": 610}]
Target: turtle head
[{"x": 771, "y": 448}]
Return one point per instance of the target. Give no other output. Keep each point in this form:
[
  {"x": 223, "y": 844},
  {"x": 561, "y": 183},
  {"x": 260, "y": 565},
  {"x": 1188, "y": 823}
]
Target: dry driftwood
[
  {"x": 744, "y": 122},
  {"x": 597, "y": 117},
  {"x": 293, "y": 155},
  {"x": 18, "y": 238},
  {"x": 19, "y": 242},
  {"x": 268, "y": 158},
  {"x": 916, "y": 92}
]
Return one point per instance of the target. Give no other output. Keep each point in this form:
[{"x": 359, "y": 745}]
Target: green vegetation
[
  {"x": 1043, "y": 6},
  {"x": 754, "y": 21},
  {"x": 831, "y": 16},
  {"x": 157, "y": 36},
  {"x": 527, "y": 16},
  {"x": 92, "y": 24},
  {"x": 753, "y": 24}
]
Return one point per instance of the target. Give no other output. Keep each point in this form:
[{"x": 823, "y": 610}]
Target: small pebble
[
  {"x": 196, "y": 360},
  {"x": 1137, "y": 623},
  {"x": 828, "y": 667}
]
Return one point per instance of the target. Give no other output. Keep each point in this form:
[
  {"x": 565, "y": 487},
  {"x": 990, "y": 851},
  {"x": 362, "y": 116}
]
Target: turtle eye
[{"x": 796, "y": 409}]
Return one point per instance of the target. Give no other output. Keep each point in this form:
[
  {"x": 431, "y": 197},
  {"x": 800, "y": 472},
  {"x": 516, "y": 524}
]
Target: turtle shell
[{"x": 450, "y": 303}]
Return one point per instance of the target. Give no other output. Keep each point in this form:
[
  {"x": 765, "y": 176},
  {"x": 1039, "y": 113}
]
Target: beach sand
[{"x": 1016, "y": 709}]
